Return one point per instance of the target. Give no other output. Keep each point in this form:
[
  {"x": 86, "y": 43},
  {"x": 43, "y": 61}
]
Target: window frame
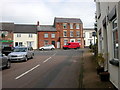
[
  {"x": 45, "y": 35},
  {"x": 52, "y": 35},
  {"x": 77, "y": 26},
  {"x": 64, "y": 25},
  {"x": 64, "y": 33},
  {"x": 114, "y": 29},
  {"x": 71, "y": 33}
]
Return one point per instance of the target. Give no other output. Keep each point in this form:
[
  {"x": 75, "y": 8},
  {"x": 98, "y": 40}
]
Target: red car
[{"x": 74, "y": 45}]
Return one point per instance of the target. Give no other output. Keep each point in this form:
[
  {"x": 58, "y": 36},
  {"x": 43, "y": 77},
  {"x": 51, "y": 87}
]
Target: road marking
[
  {"x": 27, "y": 71},
  {"x": 47, "y": 59},
  {"x": 54, "y": 54}
]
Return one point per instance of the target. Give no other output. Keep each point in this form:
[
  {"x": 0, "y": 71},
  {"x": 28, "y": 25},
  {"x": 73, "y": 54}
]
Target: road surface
[{"x": 48, "y": 69}]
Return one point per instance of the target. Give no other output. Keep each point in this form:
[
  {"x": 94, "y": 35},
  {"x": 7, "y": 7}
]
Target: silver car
[
  {"x": 4, "y": 62},
  {"x": 47, "y": 47},
  {"x": 21, "y": 53}
]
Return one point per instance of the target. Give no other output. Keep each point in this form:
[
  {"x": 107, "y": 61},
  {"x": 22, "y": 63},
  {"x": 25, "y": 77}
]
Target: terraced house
[
  {"x": 25, "y": 35},
  {"x": 108, "y": 30},
  {"x": 62, "y": 31}
]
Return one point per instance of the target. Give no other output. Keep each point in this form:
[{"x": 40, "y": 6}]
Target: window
[
  {"x": 16, "y": 43},
  {"x": 20, "y": 44},
  {"x": 30, "y": 43},
  {"x": 64, "y": 33},
  {"x": 65, "y": 42},
  {"x": 84, "y": 35},
  {"x": 79, "y": 40},
  {"x": 64, "y": 25},
  {"x": 18, "y": 35},
  {"x": 71, "y": 33},
  {"x": 90, "y": 35},
  {"x": 71, "y": 25},
  {"x": 77, "y": 26},
  {"x": 45, "y": 42},
  {"x": 52, "y": 35},
  {"x": 30, "y": 35},
  {"x": 78, "y": 33},
  {"x": 46, "y": 35},
  {"x": 115, "y": 39}
]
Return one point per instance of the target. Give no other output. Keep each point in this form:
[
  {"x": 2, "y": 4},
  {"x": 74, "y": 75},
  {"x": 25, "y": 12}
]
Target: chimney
[{"x": 38, "y": 23}]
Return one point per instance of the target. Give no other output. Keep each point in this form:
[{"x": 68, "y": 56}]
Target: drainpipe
[{"x": 119, "y": 43}]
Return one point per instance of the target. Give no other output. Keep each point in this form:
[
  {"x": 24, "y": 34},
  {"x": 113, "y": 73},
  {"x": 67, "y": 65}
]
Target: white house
[
  {"x": 108, "y": 31},
  {"x": 88, "y": 36},
  {"x": 25, "y": 35}
]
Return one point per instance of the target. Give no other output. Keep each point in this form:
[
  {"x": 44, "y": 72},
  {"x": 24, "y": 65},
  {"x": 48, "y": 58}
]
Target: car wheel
[
  {"x": 26, "y": 58},
  {"x": 42, "y": 49},
  {"x": 32, "y": 56},
  {"x": 8, "y": 65},
  {"x": 52, "y": 48}
]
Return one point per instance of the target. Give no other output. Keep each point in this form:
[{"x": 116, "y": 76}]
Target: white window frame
[
  {"x": 53, "y": 35},
  {"x": 64, "y": 33},
  {"x": 18, "y": 35},
  {"x": 65, "y": 41},
  {"x": 71, "y": 25},
  {"x": 64, "y": 25},
  {"x": 45, "y": 35},
  {"x": 78, "y": 33},
  {"x": 30, "y": 36},
  {"x": 77, "y": 26},
  {"x": 114, "y": 29},
  {"x": 71, "y": 33},
  {"x": 90, "y": 35}
]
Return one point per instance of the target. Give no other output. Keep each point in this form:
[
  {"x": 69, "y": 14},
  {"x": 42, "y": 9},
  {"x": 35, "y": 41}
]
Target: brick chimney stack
[{"x": 38, "y": 23}]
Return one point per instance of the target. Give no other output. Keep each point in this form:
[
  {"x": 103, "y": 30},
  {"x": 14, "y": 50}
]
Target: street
[{"x": 48, "y": 69}]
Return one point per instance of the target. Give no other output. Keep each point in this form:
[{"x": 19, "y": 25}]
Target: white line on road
[
  {"x": 27, "y": 71},
  {"x": 47, "y": 59},
  {"x": 54, "y": 54}
]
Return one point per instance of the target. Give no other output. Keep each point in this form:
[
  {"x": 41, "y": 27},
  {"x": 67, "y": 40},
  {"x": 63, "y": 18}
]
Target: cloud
[{"x": 31, "y": 11}]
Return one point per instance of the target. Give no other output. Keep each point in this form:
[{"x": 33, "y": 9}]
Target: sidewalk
[{"x": 90, "y": 77}]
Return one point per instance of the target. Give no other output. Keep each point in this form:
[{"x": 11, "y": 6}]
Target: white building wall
[
  {"x": 87, "y": 37},
  {"x": 106, "y": 7},
  {"x": 25, "y": 38}
]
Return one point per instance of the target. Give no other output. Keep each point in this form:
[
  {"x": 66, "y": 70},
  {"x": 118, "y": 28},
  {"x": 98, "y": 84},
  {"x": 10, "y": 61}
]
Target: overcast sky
[{"x": 44, "y": 11}]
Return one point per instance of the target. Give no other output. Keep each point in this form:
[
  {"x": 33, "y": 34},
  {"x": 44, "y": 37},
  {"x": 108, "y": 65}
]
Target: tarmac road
[{"x": 48, "y": 69}]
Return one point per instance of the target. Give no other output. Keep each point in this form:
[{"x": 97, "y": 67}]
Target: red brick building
[
  {"x": 70, "y": 30},
  {"x": 47, "y": 34},
  {"x": 62, "y": 31},
  {"x": 6, "y": 34}
]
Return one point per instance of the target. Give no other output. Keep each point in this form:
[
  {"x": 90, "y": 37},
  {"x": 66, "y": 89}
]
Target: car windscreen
[{"x": 20, "y": 49}]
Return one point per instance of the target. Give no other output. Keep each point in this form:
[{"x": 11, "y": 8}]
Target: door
[
  {"x": 53, "y": 43},
  {"x": 72, "y": 40}
]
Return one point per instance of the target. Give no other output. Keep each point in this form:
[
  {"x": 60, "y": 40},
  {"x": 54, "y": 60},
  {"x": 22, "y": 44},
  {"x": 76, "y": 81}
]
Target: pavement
[{"x": 90, "y": 77}]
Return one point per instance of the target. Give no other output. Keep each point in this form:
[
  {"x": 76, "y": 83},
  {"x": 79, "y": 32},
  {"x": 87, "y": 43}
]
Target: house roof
[
  {"x": 6, "y": 26},
  {"x": 46, "y": 28},
  {"x": 68, "y": 20},
  {"x": 19, "y": 28}
]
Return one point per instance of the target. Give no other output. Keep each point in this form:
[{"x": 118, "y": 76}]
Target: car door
[
  {"x": 28, "y": 53},
  {"x": 0, "y": 60},
  {"x": 4, "y": 60}
]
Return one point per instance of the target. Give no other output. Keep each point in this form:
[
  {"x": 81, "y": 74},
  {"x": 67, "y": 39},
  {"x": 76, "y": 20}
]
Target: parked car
[
  {"x": 47, "y": 47},
  {"x": 70, "y": 45},
  {"x": 21, "y": 54},
  {"x": 7, "y": 50},
  {"x": 4, "y": 62}
]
